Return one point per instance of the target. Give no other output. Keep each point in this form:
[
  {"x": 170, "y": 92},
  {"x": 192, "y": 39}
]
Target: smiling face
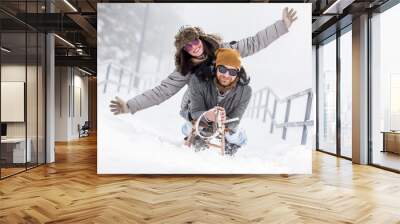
[
  {"x": 223, "y": 76},
  {"x": 194, "y": 48}
]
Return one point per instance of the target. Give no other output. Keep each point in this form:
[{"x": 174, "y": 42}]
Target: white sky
[{"x": 285, "y": 65}]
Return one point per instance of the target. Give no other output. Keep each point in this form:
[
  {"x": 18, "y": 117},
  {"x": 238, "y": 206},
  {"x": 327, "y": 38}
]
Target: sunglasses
[
  {"x": 189, "y": 46},
  {"x": 232, "y": 72}
]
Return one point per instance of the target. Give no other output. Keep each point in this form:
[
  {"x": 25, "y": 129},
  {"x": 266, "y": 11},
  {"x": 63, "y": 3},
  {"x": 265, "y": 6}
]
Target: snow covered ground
[{"x": 150, "y": 142}]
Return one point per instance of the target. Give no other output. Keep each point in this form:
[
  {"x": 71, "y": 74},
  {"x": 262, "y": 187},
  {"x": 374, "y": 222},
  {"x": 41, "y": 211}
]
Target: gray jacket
[
  {"x": 203, "y": 95},
  {"x": 176, "y": 81}
]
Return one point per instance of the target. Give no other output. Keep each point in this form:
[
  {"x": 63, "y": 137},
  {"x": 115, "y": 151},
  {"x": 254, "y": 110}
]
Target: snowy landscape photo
[{"x": 187, "y": 88}]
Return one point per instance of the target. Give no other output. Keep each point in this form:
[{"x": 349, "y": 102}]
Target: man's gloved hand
[
  {"x": 119, "y": 106},
  {"x": 211, "y": 114},
  {"x": 288, "y": 16}
]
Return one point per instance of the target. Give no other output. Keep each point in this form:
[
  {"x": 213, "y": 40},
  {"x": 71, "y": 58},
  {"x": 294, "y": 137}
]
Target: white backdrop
[{"x": 150, "y": 141}]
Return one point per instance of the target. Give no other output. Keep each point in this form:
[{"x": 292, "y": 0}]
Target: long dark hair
[{"x": 186, "y": 64}]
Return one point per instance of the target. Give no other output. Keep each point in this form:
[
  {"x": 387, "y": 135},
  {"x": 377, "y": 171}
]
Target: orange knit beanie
[{"x": 227, "y": 56}]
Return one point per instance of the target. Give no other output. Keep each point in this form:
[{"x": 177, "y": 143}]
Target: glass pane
[
  {"x": 31, "y": 100},
  {"x": 13, "y": 86},
  {"x": 346, "y": 93},
  {"x": 23, "y": 89},
  {"x": 31, "y": 85},
  {"x": 41, "y": 98},
  {"x": 386, "y": 89},
  {"x": 327, "y": 97}
]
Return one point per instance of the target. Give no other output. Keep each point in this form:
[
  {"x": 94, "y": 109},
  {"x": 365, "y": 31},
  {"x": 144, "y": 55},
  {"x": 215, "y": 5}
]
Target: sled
[{"x": 218, "y": 136}]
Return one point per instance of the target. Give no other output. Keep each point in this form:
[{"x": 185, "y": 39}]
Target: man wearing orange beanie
[{"x": 227, "y": 91}]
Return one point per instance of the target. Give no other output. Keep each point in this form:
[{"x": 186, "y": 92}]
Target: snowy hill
[{"x": 150, "y": 142}]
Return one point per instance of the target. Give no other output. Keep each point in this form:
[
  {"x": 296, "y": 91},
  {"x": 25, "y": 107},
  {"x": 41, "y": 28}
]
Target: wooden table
[
  {"x": 391, "y": 141},
  {"x": 13, "y": 150}
]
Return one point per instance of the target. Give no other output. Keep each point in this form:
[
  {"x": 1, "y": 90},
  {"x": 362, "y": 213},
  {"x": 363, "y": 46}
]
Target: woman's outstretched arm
[
  {"x": 262, "y": 39},
  {"x": 167, "y": 88}
]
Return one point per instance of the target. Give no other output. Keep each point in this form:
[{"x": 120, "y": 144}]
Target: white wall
[
  {"x": 16, "y": 73},
  {"x": 81, "y": 100},
  {"x": 13, "y": 73},
  {"x": 61, "y": 103},
  {"x": 71, "y": 93}
]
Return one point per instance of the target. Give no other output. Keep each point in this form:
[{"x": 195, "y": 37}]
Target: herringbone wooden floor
[{"x": 70, "y": 191}]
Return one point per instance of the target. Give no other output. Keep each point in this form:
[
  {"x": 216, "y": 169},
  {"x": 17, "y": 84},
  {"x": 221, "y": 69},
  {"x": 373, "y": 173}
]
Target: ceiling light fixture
[
  {"x": 5, "y": 49},
  {"x": 84, "y": 71},
  {"x": 70, "y": 5},
  {"x": 64, "y": 40},
  {"x": 337, "y": 7}
]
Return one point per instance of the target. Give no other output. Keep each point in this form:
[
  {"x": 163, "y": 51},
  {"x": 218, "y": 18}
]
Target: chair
[{"x": 84, "y": 130}]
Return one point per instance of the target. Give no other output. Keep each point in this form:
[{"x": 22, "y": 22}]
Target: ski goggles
[
  {"x": 189, "y": 46},
  {"x": 232, "y": 72}
]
